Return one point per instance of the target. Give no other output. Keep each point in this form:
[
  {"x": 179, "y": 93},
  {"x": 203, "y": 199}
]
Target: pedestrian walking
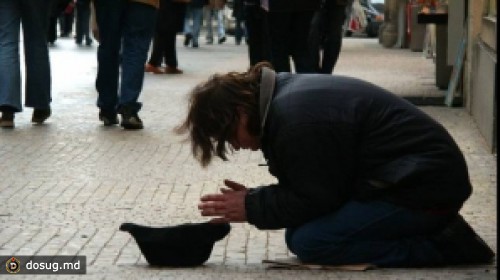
[
  {"x": 170, "y": 21},
  {"x": 325, "y": 37},
  {"x": 214, "y": 9},
  {"x": 125, "y": 32},
  {"x": 193, "y": 22},
  {"x": 33, "y": 15},
  {"x": 83, "y": 22},
  {"x": 289, "y": 27}
]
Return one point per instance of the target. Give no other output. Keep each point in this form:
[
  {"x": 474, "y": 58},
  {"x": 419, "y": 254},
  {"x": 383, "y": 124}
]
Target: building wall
[{"x": 480, "y": 68}]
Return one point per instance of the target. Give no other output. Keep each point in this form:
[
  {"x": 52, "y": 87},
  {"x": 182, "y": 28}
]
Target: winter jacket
[{"x": 332, "y": 139}]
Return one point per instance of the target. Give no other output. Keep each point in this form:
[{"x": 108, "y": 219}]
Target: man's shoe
[
  {"x": 187, "y": 39},
  {"x": 107, "y": 118},
  {"x": 195, "y": 45},
  {"x": 40, "y": 115},
  {"x": 459, "y": 244},
  {"x": 222, "y": 40},
  {"x": 7, "y": 120},
  {"x": 153, "y": 69},
  {"x": 131, "y": 120},
  {"x": 172, "y": 70}
]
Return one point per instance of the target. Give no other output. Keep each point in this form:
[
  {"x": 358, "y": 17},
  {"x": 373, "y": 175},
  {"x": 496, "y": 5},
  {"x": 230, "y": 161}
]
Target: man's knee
[{"x": 308, "y": 246}]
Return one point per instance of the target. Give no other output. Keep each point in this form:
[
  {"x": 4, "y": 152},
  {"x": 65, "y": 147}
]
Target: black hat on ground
[{"x": 182, "y": 245}]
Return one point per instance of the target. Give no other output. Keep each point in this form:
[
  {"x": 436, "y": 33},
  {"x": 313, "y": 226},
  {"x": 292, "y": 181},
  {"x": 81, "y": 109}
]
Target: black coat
[{"x": 331, "y": 139}]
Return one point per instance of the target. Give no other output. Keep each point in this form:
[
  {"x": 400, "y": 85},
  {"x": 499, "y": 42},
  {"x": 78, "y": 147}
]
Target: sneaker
[
  {"x": 187, "y": 39},
  {"x": 222, "y": 40},
  {"x": 107, "y": 118},
  {"x": 153, "y": 69},
  {"x": 459, "y": 244},
  {"x": 172, "y": 70},
  {"x": 40, "y": 115},
  {"x": 7, "y": 120},
  {"x": 130, "y": 120}
]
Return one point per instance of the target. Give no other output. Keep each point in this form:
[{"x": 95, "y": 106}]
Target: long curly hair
[{"x": 213, "y": 112}]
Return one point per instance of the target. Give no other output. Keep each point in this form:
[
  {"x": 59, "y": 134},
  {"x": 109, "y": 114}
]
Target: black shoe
[
  {"x": 195, "y": 45},
  {"x": 40, "y": 115},
  {"x": 107, "y": 118},
  {"x": 187, "y": 39},
  {"x": 459, "y": 244},
  {"x": 88, "y": 42},
  {"x": 130, "y": 119},
  {"x": 222, "y": 40},
  {"x": 7, "y": 120}
]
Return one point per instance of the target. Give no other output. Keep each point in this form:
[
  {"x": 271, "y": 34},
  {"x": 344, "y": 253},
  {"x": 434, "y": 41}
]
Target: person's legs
[
  {"x": 279, "y": 31},
  {"x": 315, "y": 39},
  {"x": 170, "y": 52},
  {"x": 221, "y": 32},
  {"x": 197, "y": 23},
  {"x": 38, "y": 77},
  {"x": 374, "y": 232},
  {"x": 258, "y": 34},
  {"x": 299, "y": 34},
  {"x": 208, "y": 16},
  {"x": 157, "y": 52},
  {"x": 188, "y": 30},
  {"x": 109, "y": 19},
  {"x": 336, "y": 15},
  {"x": 139, "y": 23},
  {"x": 10, "y": 73},
  {"x": 83, "y": 22}
]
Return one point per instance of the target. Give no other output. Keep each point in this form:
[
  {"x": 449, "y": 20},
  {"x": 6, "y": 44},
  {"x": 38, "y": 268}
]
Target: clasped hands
[{"x": 227, "y": 206}]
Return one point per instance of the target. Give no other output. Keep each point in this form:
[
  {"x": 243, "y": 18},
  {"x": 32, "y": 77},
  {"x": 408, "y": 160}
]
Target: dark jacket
[{"x": 331, "y": 139}]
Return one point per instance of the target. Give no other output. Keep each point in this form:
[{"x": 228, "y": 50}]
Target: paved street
[{"x": 67, "y": 185}]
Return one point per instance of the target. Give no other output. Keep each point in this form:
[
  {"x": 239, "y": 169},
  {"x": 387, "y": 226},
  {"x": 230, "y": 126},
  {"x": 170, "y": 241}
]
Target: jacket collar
[{"x": 267, "y": 83}]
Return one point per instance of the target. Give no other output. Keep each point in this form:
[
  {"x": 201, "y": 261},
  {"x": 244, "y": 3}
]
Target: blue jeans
[
  {"x": 34, "y": 16},
  {"x": 209, "y": 15},
  {"x": 374, "y": 232},
  {"x": 194, "y": 14},
  {"x": 127, "y": 27}
]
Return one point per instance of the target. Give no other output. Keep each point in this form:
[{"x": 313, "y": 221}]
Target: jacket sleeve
[{"x": 314, "y": 166}]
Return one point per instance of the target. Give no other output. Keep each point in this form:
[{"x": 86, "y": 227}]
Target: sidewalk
[{"x": 66, "y": 186}]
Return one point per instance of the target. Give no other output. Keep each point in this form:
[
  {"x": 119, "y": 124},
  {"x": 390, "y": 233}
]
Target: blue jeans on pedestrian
[
  {"x": 209, "y": 15},
  {"x": 373, "y": 232},
  {"x": 194, "y": 14},
  {"x": 34, "y": 16},
  {"x": 125, "y": 27}
]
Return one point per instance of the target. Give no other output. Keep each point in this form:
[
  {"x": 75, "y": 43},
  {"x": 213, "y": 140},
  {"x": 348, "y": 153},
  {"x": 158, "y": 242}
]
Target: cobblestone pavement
[{"x": 67, "y": 185}]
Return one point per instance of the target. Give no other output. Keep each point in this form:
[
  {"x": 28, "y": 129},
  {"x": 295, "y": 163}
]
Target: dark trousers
[
  {"x": 259, "y": 47},
  {"x": 325, "y": 38},
  {"x": 374, "y": 232},
  {"x": 83, "y": 21},
  {"x": 126, "y": 26},
  {"x": 66, "y": 23},
  {"x": 289, "y": 37},
  {"x": 164, "y": 49}
]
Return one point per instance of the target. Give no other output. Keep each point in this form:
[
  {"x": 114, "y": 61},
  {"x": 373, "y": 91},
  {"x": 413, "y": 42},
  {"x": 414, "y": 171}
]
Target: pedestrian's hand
[{"x": 228, "y": 206}]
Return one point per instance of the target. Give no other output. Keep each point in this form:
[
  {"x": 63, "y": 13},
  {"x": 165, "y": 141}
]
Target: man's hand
[{"x": 229, "y": 206}]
